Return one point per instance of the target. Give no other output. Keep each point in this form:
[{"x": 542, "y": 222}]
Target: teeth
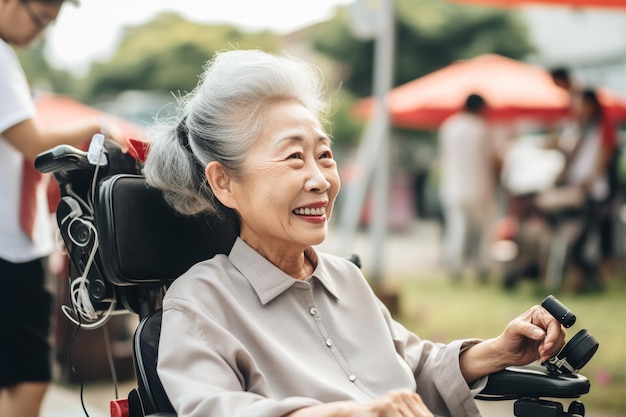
[{"x": 310, "y": 211}]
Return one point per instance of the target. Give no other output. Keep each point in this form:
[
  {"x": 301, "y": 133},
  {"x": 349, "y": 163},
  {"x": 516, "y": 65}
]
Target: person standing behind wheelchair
[
  {"x": 25, "y": 302},
  {"x": 276, "y": 328}
]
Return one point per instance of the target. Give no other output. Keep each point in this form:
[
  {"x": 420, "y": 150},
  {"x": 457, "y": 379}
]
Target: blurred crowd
[{"x": 543, "y": 207}]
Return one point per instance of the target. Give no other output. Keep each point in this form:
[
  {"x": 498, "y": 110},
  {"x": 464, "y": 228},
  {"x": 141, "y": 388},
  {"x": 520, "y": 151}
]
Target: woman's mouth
[{"x": 310, "y": 211}]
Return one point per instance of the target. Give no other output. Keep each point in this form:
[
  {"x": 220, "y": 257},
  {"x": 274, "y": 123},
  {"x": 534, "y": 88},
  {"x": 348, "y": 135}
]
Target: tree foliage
[
  {"x": 429, "y": 34},
  {"x": 40, "y": 74},
  {"x": 167, "y": 54}
]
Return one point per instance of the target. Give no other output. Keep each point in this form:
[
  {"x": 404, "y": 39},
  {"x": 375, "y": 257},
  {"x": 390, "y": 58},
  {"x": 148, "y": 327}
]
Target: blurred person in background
[
  {"x": 606, "y": 211},
  {"x": 26, "y": 241},
  {"x": 588, "y": 161},
  {"x": 469, "y": 173},
  {"x": 562, "y": 78}
]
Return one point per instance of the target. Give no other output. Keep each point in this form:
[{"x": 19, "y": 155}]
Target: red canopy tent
[
  {"x": 616, "y": 4},
  {"x": 612, "y": 102},
  {"x": 511, "y": 88},
  {"x": 58, "y": 109}
]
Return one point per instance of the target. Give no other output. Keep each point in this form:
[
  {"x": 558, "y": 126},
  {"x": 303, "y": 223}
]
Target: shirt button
[
  {"x": 313, "y": 311},
  {"x": 329, "y": 342},
  {"x": 352, "y": 378}
]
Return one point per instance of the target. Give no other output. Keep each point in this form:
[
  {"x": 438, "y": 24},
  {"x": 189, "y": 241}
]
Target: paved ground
[{"x": 413, "y": 253}]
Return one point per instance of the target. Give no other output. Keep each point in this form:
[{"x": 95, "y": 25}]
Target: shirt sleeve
[
  {"x": 205, "y": 376},
  {"x": 437, "y": 372},
  {"x": 16, "y": 104}
]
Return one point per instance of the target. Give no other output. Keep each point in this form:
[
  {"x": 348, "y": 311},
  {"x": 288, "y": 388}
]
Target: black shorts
[{"x": 25, "y": 317}]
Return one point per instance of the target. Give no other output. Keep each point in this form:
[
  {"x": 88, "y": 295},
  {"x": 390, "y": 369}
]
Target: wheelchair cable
[
  {"x": 81, "y": 303},
  {"x": 82, "y": 202},
  {"x": 90, "y": 196},
  {"x": 107, "y": 346},
  {"x": 74, "y": 370},
  {"x": 79, "y": 297},
  {"x": 80, "y": 325}
]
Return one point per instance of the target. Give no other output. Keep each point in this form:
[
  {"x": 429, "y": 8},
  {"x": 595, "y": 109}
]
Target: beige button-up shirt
[{"x": 240, "y": 338}]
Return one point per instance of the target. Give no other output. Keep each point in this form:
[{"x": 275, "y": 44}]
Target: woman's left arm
[{"x": 534, "y": 335}]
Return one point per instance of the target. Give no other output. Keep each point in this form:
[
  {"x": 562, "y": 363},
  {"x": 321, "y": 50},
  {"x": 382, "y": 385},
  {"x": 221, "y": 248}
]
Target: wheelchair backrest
[{"x": 143, "y": 240}]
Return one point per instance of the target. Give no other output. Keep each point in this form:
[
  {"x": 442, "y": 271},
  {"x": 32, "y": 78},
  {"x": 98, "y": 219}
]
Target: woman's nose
[{"x": 316, "y": 180}]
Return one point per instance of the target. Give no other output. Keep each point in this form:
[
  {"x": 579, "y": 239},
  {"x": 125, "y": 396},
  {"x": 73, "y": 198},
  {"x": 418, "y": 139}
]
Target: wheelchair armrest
[{"x": 533, "y": 381}]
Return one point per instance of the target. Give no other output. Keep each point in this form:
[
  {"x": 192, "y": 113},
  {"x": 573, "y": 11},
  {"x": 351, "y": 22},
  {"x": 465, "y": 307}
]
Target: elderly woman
[{"x": 276, "y": 328}]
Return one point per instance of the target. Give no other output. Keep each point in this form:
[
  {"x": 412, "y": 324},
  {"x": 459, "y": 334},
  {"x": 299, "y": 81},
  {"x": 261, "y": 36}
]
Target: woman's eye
[
  {"x": 295, "y": 156},
  {"x": 326, "y": 155}
]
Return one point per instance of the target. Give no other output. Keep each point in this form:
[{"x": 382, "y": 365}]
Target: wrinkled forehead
[{"x": 290, "y": 118}]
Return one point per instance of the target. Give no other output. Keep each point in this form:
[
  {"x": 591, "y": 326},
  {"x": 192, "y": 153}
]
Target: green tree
[
  {"x": 344, "y": 128},
  {"x": 429, "y": 35},
  {"x": 41, "y": 76},
  {"x": 167, "y": 54}
]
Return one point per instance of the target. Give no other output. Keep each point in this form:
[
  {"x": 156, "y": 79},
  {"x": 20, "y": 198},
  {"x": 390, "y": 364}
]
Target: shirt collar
[{"x": 269, "y": 281}]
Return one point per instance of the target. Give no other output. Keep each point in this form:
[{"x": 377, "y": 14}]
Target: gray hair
[{"x": 221, "y": 119}]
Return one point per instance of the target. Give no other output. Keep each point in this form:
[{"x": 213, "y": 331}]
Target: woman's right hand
[{"x": 400, "y": 403}]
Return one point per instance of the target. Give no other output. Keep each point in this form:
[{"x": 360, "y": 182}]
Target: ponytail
[{"x": 172, "y": 167}]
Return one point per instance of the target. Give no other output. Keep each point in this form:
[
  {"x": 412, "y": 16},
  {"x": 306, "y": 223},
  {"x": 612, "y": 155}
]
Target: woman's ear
[{"x": 220, "y": 183}]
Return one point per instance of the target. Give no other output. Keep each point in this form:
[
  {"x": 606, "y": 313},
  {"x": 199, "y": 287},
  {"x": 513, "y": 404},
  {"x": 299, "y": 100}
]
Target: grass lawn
[{"x": 438, "y": 310}]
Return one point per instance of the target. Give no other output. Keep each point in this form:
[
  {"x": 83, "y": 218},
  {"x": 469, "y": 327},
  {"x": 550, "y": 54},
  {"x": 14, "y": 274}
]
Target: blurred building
[{"x": 591, "y": 42}]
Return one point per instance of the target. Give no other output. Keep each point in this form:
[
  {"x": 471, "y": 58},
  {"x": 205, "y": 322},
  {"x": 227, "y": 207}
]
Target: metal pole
[
  {"x": 373, "y": 154},
  {"x": 383, "y": 79}
]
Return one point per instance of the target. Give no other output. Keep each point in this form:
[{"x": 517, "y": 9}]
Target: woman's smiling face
[{"x": 286, "y": 193}]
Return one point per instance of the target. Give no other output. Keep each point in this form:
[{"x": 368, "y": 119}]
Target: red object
[
  {"x": 138, "y": 149},
  {"x": 615, "y": 4},
  {"x": 511, "y": 88},
  {"x": 119, "y": 408},
  {"x": 505, "y": 229},
  {"x": 609, "y": 134},
  {"x": 613, "y": 105},
  {"x": 56, "y": 109}
]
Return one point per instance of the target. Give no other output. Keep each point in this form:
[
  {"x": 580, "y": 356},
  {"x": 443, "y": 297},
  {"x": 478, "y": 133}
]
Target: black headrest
[{"x": 142, "y": 239}]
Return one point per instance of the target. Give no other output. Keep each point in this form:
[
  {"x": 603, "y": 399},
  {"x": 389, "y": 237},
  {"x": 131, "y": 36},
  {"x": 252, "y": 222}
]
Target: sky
[{"x": 90, "y": 31}]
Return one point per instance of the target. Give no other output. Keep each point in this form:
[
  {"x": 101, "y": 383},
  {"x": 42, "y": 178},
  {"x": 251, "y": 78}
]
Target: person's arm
[
  {"x": 531, "y": 336},
  {"x": 31, "y": 139},
  {"x": 436, "y": 369}
]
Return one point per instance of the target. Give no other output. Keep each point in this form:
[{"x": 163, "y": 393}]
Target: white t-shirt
[
  {"x": 467, "y": 160},
  {"x": 16, "y": 105},
  {"x": 587, "y": 158}
]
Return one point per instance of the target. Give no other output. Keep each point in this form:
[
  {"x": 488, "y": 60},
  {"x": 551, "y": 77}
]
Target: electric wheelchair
[{"x": 126, "y": 245}]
